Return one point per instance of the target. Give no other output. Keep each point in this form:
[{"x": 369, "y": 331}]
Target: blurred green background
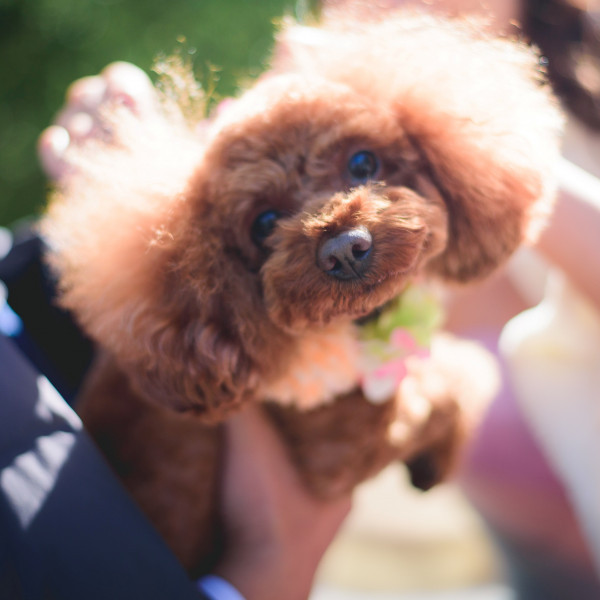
[{"x": 46, "y": 44}]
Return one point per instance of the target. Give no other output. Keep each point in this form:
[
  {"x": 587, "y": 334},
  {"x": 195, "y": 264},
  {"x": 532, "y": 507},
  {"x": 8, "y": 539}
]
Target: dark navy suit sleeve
[{"x": 68, "y": 530}]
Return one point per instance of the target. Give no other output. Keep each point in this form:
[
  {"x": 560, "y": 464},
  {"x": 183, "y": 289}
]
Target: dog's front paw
[{"x": 438, "y": 406}]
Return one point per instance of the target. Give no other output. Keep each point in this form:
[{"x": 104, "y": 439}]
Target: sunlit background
[{"x": 46, "y": 44}]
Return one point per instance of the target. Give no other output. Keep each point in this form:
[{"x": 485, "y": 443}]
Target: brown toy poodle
[{"x": 281, "y": 255}]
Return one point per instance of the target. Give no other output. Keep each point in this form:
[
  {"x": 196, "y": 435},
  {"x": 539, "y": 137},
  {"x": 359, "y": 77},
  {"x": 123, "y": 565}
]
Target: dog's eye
[
  {"x": 263, "y": 226},
  {"x": 363, "y": 166}
]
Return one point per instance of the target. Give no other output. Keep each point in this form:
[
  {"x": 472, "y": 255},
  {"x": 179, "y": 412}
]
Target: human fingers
[{"x": 83, "y": 117}]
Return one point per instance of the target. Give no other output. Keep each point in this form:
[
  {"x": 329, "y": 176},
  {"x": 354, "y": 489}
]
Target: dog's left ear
[{"x": 497, "y": 180}]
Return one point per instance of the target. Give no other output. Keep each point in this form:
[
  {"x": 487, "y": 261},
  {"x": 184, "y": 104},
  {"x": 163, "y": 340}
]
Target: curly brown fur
[{"x": 154, "y": 247}]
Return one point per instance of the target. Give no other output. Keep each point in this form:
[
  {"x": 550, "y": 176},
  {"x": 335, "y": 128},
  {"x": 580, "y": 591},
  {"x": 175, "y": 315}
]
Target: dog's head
[
  {"x": 324, "y": 197},
  {"x": 372, "y": 154}
]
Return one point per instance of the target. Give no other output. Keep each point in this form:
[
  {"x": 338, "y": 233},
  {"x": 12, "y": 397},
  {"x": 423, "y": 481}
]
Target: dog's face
[{"x": 324, "y": 201}]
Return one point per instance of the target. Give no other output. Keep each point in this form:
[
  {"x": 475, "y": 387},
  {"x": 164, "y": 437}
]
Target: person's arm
[
  {"x": 572, "y": 239},
  {"x": 67, "y": 528}
]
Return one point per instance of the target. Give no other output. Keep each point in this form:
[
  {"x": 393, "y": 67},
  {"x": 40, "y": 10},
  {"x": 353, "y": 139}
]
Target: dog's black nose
[{"x": 347, "y": 255}]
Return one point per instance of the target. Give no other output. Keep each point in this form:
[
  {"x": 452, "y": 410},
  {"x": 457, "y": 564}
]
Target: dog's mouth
[
  {"x": 401, "y": 279},
  {"x": 320, "y": 296}
]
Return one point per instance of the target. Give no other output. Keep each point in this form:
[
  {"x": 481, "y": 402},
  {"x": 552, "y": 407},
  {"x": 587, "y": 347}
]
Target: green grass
[{"x": 47, "y": 44}]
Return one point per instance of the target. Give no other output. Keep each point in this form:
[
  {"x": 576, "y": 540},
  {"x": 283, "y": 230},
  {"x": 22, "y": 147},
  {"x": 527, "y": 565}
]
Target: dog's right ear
[
  {"x": 163, "y": 323},
  {"x": 115, "y": 234},
  {"x": 184, "y": 352}
]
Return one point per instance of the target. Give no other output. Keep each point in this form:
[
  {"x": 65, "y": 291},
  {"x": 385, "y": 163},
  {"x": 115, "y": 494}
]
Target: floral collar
[{"x": 402, "y": 330}]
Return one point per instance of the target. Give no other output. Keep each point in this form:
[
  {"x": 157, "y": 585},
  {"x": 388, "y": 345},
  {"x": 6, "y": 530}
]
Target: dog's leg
[
  {"x": 339, "y": 445},
  {"x": 440, "y": 403},
  {"x": 168, "y": 461},
  {"x": 435, "y": 449}
]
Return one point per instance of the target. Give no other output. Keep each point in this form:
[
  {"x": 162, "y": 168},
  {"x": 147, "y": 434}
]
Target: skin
[{"x": 501, "y": 13}]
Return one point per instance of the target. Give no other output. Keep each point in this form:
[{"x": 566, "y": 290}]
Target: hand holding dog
[{"x": 277, "y": 532}]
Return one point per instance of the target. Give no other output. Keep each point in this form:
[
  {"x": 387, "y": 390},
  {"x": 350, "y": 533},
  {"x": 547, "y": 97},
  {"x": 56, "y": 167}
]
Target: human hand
[
  {"x": 81, "y": 118},
  {"x": 277, "y": 532}
]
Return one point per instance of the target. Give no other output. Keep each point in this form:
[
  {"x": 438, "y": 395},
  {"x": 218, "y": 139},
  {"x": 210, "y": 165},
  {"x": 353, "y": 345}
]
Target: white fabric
[{"x": 553, "y": 354}]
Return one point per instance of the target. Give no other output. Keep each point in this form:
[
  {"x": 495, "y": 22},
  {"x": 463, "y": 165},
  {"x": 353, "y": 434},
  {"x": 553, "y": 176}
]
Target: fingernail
[
  {"x": 58, "y": 141},
  {"x": 80, "y": 125}
]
